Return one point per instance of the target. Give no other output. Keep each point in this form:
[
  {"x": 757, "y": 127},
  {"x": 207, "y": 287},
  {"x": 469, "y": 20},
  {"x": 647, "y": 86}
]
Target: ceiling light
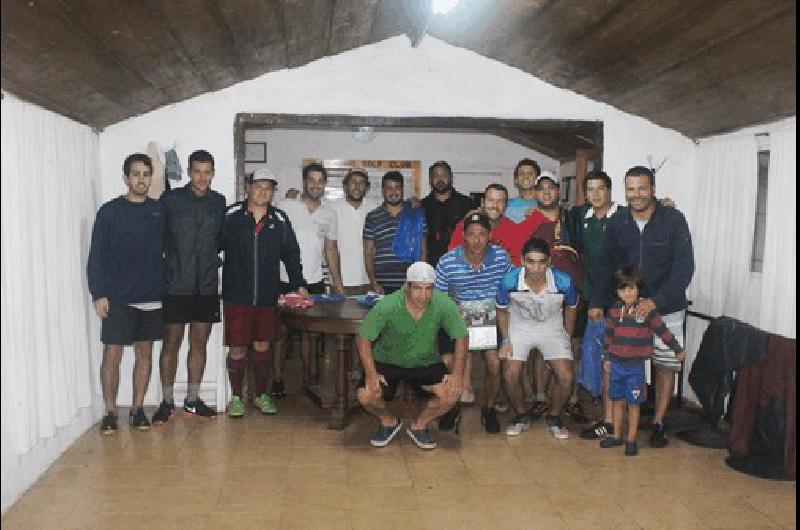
[
  {"x": 364, "y": 134},
  {"x": 442, "y": 7}
]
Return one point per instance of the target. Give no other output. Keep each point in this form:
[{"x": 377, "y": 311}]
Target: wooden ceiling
[{"x": 697, "y": 66}]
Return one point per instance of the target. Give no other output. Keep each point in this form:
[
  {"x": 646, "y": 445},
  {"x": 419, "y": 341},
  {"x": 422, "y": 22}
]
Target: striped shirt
[
  {"x": 458, "y": 279},
  {"x": 627, "y": 336},
  {"x": 380, "y": 227}
]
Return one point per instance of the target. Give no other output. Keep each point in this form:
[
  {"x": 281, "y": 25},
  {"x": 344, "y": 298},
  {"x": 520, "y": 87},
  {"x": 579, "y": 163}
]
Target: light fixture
[
  {"x": 364, "y": 134},
  {"x": 442, "y": 7}
]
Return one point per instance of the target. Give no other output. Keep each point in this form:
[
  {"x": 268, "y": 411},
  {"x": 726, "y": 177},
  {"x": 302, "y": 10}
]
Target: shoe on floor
[
  {"x": 658, "y": 437},
  {"x": 557, "y": 428},
  {"x": 489, "y": 420},
  {"x": 519, "y": 424},
  {"x": 575, "y": 412},
  {"x": 385, "y": 434},
  {"x": 278, "y": 389},
  {"x": 467, "y": 397},
  {"x": 236, "y": 407},
  {"x": 164, "y": 413},
  {"x": 422, "y": 438},
  {"x": 138, "y": 419},
  {"x": 265, "y": 404},
  {"x": 198, "y": 408},
  {"x": 631, "y": 449},
  {"x": 109, "y": 424},
  {"x": 450, "y": 419},
  {"x": 610, "y": 441},
  {"x": 598, "y": 431}
]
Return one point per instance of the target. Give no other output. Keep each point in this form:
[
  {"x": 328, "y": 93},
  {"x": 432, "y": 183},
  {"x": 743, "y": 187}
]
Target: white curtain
[
  {"x": 48, "y": 164},
  {"x": 779, "y": 276}
]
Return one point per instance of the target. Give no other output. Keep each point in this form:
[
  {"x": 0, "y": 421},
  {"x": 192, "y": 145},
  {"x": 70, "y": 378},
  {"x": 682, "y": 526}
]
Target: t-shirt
[
  {"x": 461, "y": 282},
  {"x": 380, "y": 227},
  {"x": 400, "y": 340},
  {"x": 311, "y": 229},
  {"x": 350, "y": 228},
  {"x": 557, "y": 282},
  {"x": 591, "y": 242},
  {"x": 441, "y": 218},
  {"x": 516, "y": 208},
  {"x": 507, "y": 234}
]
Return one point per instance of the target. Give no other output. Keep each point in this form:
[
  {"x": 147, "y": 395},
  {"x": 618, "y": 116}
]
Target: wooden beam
[{"x": 582, "y": 157}]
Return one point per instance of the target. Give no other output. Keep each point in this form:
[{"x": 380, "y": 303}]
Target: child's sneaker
[
  {"x": 236, "y": 407},
  {"x": 631, "y": 449},
  {"x": 598, "y": 431},
  {"x": 658, "y": 438},
  {"x": 610, "y": 441}
]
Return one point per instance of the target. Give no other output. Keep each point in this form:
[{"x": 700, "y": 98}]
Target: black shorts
[
  {"x": 416, "y": 377},
  {"x": 125, "y": 325},
  {"x": 182, "y": 309},
  {"x": 312, "y": 288}
]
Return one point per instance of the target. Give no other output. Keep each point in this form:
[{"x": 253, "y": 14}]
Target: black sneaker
[
  {"x": 278, "y": 389},
  {"x": 574, "y": 411},
  {"x": 658, "y": 438},
  {"x": 451, "y": 419},
  {"x": 631, "y": 449},
  {"x": 164, "y": 413},
  {"x": 109, "y": 424},
  {"x": 198, "y": 408},
  {"x": 610, "y": 441},
  {"x": 138, "y": 419},
  {"x": 489, "y": 420},
  {"x": 599, "y": 430}
]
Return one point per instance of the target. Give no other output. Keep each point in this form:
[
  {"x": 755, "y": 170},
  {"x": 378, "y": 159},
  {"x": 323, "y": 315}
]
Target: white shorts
[
  {"x": 663, "y": 357},
  {"x": 553, "y": 342}
]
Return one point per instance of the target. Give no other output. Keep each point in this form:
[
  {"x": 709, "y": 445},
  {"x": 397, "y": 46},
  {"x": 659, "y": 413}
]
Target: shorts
[
  {"x": 627, "y": 381},
  {"x": 125, "y": 325},
  {"x": 554, "y": 343},
  {"x": 417, "y": 377},
  {"x": 312, "y": 288},
  {"x": 245, "y": 324},
  {"x": 663, "y": 357},
  {"x": 182, "y": 309}
]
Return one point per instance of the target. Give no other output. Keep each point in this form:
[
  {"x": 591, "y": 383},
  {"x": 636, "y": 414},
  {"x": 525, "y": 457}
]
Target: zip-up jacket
[
  {"x": 251, "y": 271},
  {"x": 662, "y": 252},
  {"x": 193, "y": 238}
]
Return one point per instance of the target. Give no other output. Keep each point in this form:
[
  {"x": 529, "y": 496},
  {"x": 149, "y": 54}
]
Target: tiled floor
[{"x": 290, "y": 471}]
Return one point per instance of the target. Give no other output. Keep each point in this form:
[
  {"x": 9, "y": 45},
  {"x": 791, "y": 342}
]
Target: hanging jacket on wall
[
  {"x": 172, "y": 165},
  {"x": 407, "y": 243}
]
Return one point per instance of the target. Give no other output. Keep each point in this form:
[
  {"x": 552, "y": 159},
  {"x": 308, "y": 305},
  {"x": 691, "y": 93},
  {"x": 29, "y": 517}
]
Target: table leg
[
  {"x": 310, "y": 368},
  {"x": 341, "y": 382}
]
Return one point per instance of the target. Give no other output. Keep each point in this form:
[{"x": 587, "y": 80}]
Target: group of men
[{"x": 153, "y": 268}]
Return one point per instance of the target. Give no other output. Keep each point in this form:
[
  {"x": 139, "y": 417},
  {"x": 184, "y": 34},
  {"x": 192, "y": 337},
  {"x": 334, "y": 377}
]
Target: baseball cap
[
  {"x": 546, "y": 175},
  {"x": 480, "y": 218},
  {"x": 262, "y": 174},
  {"x": 421, "y": 272}
]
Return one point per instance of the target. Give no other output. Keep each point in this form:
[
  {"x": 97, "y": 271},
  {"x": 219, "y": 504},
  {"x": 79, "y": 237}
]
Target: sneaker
[
  {"x": 631, "y": 449},
  {"x": 610, "y": 441},
  {"x": 467, "y": 396},
  {"x": 501, "y": 406},
  {"x": 265, "y": 404},
  {"x": 236, "y": 407},
  {"x": 538, "y": 409},
  {"x": 557, "y": 428},
  {"x": 658, "y": 438},
  {"x": 384, "y": 436},
  {"x": 451, "y": 419},
  {"x": 278, "y": 389},
  {"x": 574, "y": 411},
  {"x": 598, "y": 431},
  {"x": 138, "y": 419},
  {"x": 164, "y": 413},
  {"x": 198, "y": 408},
  {"x": 519, "y": 424},
  {"x": 489, "y": 420},
  {"x": 109, "y": 424},
  {"x": 422, "y": 438}
]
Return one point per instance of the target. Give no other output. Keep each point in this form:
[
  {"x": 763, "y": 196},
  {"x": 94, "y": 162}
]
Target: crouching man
[{"x": 397, "y": 342}]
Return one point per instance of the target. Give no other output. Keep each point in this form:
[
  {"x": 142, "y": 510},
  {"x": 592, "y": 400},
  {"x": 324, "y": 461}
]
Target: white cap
[
  {"x": 421, "y": 272},
  {"x": 263, "y": 174},
  {"x": 546, "y": 175}
]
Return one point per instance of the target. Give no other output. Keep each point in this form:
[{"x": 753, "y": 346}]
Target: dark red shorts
[{"x": 245, "y": 324}]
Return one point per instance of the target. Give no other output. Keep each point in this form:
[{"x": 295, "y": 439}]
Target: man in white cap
[{"x": 397, "y": 342}]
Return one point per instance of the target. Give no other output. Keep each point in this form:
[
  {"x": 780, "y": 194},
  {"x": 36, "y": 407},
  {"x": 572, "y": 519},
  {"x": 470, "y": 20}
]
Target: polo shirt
[
  {"x": 441, "y": 218},
  {"x": 311, "y": 229},
  {"x": 399, "y": 340},
  {"x": 380, "y": 227},
  {"x": 507, "y": 234},
  {"x": 349, "y": 228},
  {"x": 591, "y": 242},
  {"x": 516, "y": 208},
  {"x": 455, "y": 276},
  {"x": 557, "y": 281}
]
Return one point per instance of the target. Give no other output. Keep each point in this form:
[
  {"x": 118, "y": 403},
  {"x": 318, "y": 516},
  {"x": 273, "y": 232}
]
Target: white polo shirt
[
  {"x": 311, "y": 229},
  {"x": 350, "y": 225}
]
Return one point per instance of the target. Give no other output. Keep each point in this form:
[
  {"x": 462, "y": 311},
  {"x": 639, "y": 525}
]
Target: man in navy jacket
[
  {"x": 656, "y": 240},
  {"x": 256, "y": 238}
]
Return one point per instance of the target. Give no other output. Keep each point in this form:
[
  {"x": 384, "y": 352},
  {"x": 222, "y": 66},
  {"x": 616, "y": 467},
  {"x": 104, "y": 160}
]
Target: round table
[{"x": 329, "y": 375}]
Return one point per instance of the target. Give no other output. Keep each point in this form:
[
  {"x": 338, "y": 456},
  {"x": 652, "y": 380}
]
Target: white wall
[{"x": 389, "y": 78}]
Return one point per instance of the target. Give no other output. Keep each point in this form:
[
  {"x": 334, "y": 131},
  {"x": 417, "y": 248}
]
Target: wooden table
[{"x": 329, "y": 376}]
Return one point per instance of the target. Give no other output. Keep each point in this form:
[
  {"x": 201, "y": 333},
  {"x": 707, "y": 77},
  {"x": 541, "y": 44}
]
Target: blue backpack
[
  {"x": 590, "y": 371},
  {"x": 410, "y": 229}
]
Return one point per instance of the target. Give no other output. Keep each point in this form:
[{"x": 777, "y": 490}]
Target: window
[{"x": 760, "y": 230}]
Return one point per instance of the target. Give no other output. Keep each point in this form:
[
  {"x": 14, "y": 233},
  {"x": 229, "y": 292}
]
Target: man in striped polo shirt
[
  {"x": 386, "y": 271},
  {"x": 470, "y": 274}
]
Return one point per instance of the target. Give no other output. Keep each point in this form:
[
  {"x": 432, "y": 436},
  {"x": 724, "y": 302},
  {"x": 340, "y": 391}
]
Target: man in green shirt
[{"x": 397, "y": 342}]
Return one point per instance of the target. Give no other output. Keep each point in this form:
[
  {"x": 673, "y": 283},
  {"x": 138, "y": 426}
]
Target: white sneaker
[
  {"x": 559, "y": 431},
  {"x": 518, "y": 426}
]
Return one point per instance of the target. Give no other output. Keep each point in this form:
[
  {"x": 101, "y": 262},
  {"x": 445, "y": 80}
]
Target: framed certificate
[{"x": 481, "y": 319}]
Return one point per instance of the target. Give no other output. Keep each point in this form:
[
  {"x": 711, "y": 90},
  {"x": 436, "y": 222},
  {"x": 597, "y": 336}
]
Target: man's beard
[
  {"x": 394, "y": 202},
  {"x": 442, "y": 186},
  {"x": 358, "y": 196}
]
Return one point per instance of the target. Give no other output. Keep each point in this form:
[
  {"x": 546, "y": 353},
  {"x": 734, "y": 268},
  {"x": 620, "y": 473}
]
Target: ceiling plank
[
  {"x": 351, "y": 24},
  {"x": 308, "y": 27},
  {"x": 257, "y": 30}
]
